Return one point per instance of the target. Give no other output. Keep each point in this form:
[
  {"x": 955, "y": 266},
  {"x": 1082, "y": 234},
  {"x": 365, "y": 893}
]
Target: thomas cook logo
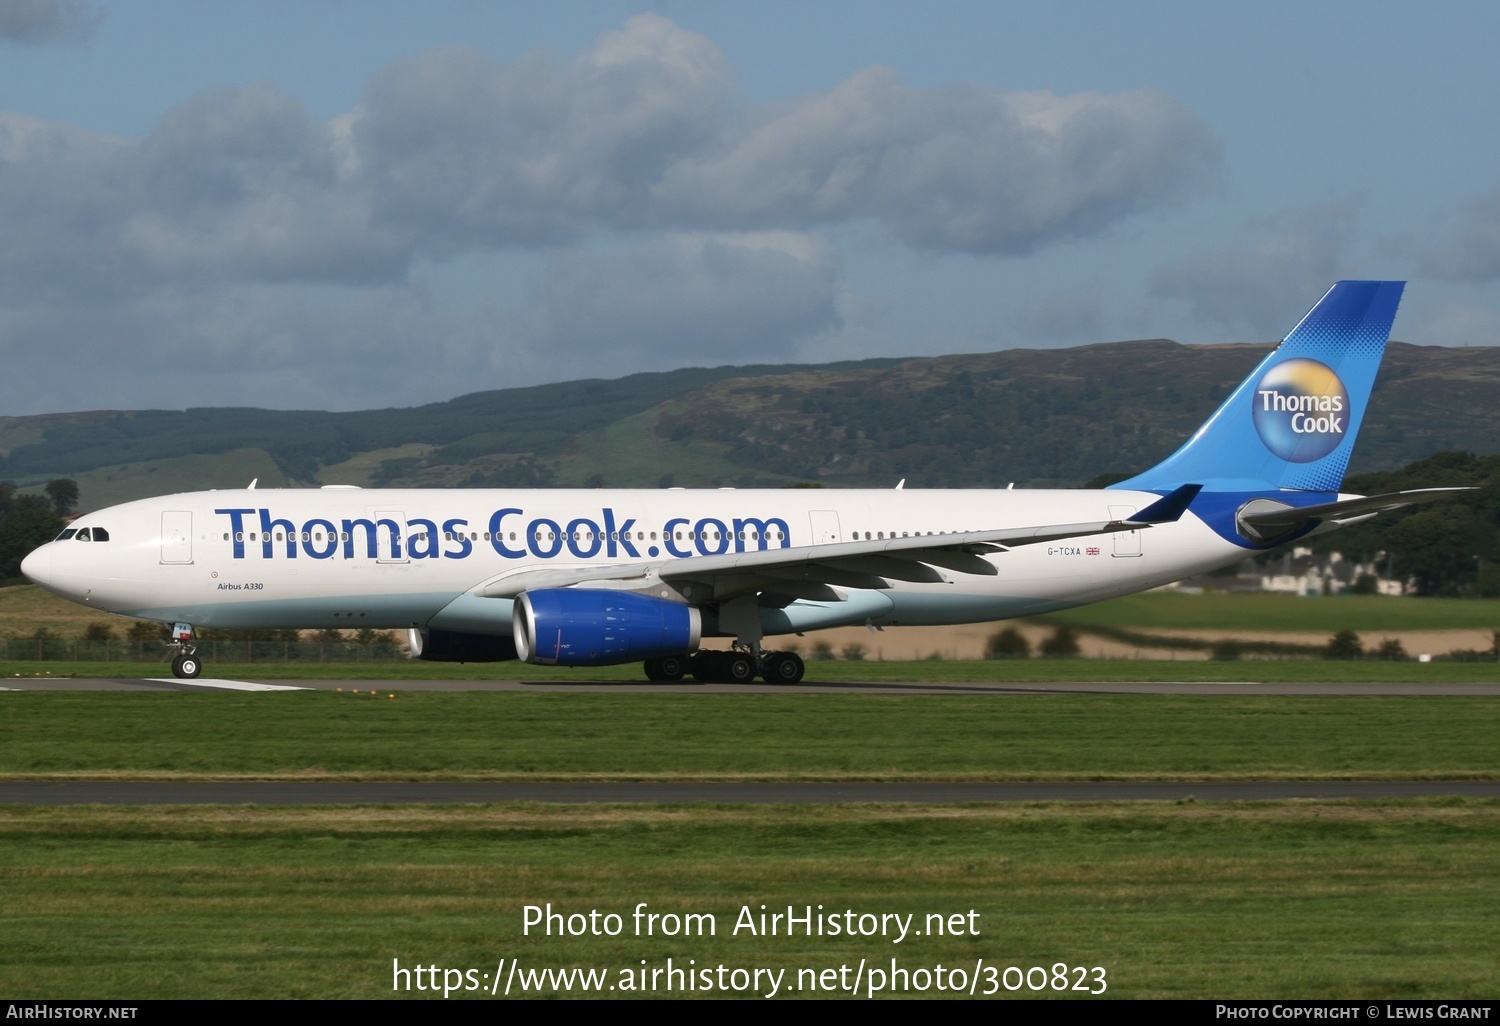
[{"x": 1301, "y": 410}]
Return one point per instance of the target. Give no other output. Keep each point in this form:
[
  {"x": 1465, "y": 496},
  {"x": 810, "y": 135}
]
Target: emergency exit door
[
  {"x": 1126, "y": 543},
  {"x": 177, "y": 536},
  {"x": 825, "y": 526}
]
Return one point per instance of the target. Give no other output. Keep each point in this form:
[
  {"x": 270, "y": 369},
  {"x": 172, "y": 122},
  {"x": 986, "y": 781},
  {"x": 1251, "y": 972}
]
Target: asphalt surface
[
  {"x": 207, "y": 684},
  {"x": 84, "y": 792}
]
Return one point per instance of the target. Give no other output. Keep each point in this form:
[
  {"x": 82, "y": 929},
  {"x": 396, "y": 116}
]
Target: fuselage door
[
  {"x": 1127, "y": 543},
  {"x": 390, "y": 545},
  {"x": 825, "y": 526},
  {"x": 177, "y": 536}
]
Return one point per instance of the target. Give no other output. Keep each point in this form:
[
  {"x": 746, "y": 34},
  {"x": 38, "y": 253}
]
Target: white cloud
[
  {"x": 46, "y": 21},
  {"x": 1473, "y": 254},
  {"x": 243, "y": 234},
  {"x": 1454, "y": 324},
  {"x": 965, "y": 167},
  {"x": 701, "y": 300},
  {"x": 450, "y": 152},
  {"x": 1259, "y": 291},
  {"x": 1063, "y": 318},
  {"x": 696, "y": 299},
  {"x": 463, "y": 152}
]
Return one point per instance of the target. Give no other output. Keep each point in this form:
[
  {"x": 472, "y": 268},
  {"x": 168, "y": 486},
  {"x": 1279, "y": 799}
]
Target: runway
[
  {"x": 283, "y": 793},
  {"x": 998, "y": 688}
]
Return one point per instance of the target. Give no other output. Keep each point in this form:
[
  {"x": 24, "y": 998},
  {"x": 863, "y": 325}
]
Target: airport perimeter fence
[{"x": 126, "y": 650}]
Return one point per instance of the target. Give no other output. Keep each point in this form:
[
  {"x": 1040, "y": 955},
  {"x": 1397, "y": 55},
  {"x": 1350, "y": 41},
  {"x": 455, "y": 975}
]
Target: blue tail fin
[{"x": 1292, "y": 422}]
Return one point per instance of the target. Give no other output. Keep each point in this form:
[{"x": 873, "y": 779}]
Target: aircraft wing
[
  {"x": 1269, "y": 519},
  {"x": 812, "y": 571}
]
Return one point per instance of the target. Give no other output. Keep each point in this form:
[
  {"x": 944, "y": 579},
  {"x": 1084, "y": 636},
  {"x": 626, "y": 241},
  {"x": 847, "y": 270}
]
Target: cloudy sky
[{"x": 359, "y": 204}]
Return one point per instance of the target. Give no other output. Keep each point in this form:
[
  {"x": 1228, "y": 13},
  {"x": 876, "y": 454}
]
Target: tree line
[
  {"x": 1450, "y": 547},
  {"x": 27, "y": 521}
]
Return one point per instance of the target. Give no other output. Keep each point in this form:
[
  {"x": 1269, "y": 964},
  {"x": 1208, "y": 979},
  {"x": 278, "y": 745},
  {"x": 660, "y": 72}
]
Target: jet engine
[
  {"x": 594, "y": 627},
  {"x": 440, "y": 646}
]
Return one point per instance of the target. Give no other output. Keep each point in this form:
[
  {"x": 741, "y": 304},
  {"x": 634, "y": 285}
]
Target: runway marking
[{"x": 226, "y": 685}]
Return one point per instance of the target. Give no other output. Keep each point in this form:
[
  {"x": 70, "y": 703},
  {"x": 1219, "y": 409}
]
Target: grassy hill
[{"x": 1033, "y": 417}]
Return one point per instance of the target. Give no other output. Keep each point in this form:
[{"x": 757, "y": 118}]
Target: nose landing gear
[{"x": 185, "y": 664}]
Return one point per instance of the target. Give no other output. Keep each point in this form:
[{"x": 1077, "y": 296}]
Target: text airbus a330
[{"x": 597, "y": 577}]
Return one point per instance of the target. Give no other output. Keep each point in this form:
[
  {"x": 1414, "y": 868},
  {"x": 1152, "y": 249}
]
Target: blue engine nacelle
[{"x": 593, "y": 627}]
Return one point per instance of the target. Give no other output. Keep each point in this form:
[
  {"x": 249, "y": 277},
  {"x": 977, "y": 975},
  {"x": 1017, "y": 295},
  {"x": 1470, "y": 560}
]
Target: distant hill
[{"x": 1035, "y": 417}]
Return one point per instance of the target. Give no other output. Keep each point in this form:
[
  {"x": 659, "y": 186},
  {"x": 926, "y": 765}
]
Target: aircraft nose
[{"x": 38, "y": 565}]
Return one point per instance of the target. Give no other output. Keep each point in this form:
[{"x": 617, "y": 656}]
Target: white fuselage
[{"x": 350, "y": 558}]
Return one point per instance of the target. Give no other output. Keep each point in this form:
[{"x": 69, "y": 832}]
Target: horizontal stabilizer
[{"x": 1266, "y": 519}]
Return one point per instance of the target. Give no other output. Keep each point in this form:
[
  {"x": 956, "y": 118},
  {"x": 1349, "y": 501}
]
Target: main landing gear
[
  {"x": 667, "y": 668},
  {"x": 733, "y": 667},
  {"x": 185, "y": 664}
]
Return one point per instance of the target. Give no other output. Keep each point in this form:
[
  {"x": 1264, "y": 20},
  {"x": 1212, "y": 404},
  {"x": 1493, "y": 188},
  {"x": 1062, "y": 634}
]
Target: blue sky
[{"x": 349, "y": 205}]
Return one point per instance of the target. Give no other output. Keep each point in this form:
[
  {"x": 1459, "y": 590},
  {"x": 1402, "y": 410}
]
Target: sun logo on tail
[{"x": 1301, "y": 410}]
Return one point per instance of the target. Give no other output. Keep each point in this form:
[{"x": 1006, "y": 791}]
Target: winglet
[{"x": 1169, "y": 508}]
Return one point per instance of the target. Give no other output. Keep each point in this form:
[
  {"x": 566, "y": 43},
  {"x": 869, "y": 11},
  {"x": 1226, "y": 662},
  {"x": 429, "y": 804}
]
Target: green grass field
[
  {"x": 509, "y": 735},
  {"x": 1335, "y": 900},
  {"x": 830, "y": 671},
  {"x": 1277, "y": 899},
  {"x": 1289, "y": 613},
  {"x": 25, "y": 607},
  {"x": 1360, "y": 900}
]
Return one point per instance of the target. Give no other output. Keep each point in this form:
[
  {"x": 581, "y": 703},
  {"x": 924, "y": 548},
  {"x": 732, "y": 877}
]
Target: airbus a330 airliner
[{"x": 597, "y": 577}]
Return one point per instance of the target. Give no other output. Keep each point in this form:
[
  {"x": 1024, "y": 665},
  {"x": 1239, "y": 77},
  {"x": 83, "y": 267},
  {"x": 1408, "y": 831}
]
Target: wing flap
[
  {"x": 964, "y": 561},
  {"x": 826, "y": 573},
  {"x": 911, "y": 570}
]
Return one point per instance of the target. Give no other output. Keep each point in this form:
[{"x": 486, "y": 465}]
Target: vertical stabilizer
[{"x": 1293, "y": 421}]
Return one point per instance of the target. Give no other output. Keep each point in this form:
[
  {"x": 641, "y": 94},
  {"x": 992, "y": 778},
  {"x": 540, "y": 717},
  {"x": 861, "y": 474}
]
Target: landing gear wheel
[
  {"x": 667, "y": 668},
  {"x": 739, "y": 669},
  {"x": 186, "y": 667},
  {"x": 704, "y": 666},
  {"x": 784, "y": 668}
]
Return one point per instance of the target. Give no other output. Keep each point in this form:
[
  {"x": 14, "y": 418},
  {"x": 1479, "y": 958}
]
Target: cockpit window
[
  {"x": 70, "y": 532},
  {"x": 83, "y": 535},
  {"x": 100, "y": 534}
]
